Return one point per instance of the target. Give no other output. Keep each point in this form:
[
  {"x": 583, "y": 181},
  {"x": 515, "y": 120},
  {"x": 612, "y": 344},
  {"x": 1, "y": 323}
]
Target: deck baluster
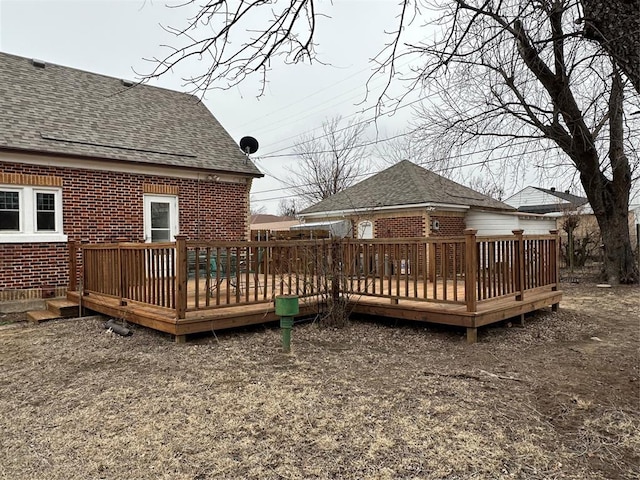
[
  {"x": 519, "y": 264},
  {"x": 471, "y": 269}
]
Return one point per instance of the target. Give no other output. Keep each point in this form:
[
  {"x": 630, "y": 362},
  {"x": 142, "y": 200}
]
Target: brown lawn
[{"x": 557, "y": 399}]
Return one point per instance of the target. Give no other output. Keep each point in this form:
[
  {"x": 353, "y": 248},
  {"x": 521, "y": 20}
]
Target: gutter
[{"x": 431, "y": 206}]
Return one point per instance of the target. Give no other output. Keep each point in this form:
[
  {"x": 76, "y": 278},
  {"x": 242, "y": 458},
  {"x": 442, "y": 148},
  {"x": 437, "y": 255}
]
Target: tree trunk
[
  {"x": 609, "y": 200},
  {"x": 618, "y": 262}
]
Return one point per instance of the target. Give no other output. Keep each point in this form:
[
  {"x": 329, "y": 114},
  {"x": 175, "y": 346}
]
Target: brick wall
[
  {"x": 34, "y": 265},
  {"x": 399, "y": 227},
  {"x": 450, "y": 226},
  {"x": 107, "y": 207}
]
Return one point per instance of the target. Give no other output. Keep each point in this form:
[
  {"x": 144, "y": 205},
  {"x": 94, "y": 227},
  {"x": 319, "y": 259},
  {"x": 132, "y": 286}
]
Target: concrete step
[
  {"x": 63, "y": 308},
  {"x": 37, "y": 316}
]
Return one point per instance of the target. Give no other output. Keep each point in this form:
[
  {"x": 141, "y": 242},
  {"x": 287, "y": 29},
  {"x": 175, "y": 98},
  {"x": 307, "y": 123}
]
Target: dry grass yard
[{"x": 558, "y": 399}]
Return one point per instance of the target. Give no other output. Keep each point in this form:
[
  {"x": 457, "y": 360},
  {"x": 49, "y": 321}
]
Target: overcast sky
[{"x": 114, "y": 37}]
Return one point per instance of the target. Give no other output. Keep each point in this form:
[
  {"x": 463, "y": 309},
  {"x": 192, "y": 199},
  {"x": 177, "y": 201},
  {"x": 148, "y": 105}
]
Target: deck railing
[
  {"x": 188, "y": 276},
  {"x": 234, "y": 273},
  {"x": 424, "y": 269},
  {"x": 144, "y": 273}
]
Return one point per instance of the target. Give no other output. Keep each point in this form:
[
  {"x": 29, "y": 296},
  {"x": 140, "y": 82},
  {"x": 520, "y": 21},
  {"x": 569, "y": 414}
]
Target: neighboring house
[
  {"x": 86, "y": 157},
  {"x": 545, "y": 201},
  {"x": 562, "y": 205},
  {"x": 407, "y": 200},
  {"x": 559, "y": 206},
  {"x": 265, "y": 226}
]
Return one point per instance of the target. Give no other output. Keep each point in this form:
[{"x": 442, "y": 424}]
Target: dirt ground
[{"x": 557, "y": 399}]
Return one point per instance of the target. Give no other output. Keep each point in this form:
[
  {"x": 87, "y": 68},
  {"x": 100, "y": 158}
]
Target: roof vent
[
  {"x": 553, "y": 189},
  {"x": 127, "y": 83},
  {"x": 38, "y": 63},
  {"x": 567, "y": 192}
]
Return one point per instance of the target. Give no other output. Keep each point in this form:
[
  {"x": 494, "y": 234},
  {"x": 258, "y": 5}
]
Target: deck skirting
[{"x": 165, "y": 320}]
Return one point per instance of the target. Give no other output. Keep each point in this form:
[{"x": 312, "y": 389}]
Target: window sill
[{"x": 33, "y": 238}]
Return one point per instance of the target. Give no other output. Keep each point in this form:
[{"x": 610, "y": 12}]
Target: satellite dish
[{"x": 248, "y": 145}]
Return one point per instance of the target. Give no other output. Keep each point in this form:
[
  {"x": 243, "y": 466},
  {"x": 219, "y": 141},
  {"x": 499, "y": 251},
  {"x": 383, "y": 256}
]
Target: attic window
[
  {"x": 38, "y": 63},
  {"x": 127, "y": 83}
]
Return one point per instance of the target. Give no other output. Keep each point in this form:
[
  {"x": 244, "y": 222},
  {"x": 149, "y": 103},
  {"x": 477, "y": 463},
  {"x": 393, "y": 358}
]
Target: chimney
[{"x": 553, "y": 189}]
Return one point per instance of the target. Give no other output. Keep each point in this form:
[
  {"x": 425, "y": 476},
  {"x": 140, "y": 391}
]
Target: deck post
[
  {"x": 555, "y": 259},
  {"x": 181, "y": 276},
  {"x": 472, "y": 335},
  {"x": 73, "y": 266},
  {"x": 470, "y": 269},
  {"x": 121, "y": 276},
  {"x": 555, "y": 265},
  {"x": 518, "y": 266}
]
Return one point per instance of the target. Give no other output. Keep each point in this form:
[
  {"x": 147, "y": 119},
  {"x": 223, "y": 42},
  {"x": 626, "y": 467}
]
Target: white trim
[
  {"x": 123, "y": 167},
  {"x": 434, "y": 206},
  {"x": 33, "y": 238},
  {"x": 21, "y": 209},
  {"x": 174, "y": 220},
  {"x": 58, "y": 212},
  {"x": 28, "y": 216}
]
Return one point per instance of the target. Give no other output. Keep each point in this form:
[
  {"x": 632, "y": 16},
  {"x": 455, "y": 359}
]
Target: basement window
[{"x": 30, "y": 214}]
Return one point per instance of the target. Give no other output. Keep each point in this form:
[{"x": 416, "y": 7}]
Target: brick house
[
  {"x": 407, "y": 200},
  {"x": 86, "y": 157}
]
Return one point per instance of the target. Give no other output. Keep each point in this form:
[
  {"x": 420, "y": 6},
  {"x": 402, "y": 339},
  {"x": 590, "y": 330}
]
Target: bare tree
[
  {"x": 329, "y": 162},
  {"x": 487, "y": 185},
  {"x": 519, "y": 76},
  {"x": 615, "y": 25},
  {"x": 288, "y": 207},
  {"x": 238, "y": 39},
  {"x": 406, "y": 147},
  {"x": 256, "y": 210}
]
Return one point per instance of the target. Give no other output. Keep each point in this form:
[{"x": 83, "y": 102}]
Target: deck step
[
  {"x": 37, "y": 316},
  {"x": 63, "y": 308}
]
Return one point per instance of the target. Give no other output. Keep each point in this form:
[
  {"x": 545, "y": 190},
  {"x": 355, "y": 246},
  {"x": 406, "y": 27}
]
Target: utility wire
[
  {"x": 480, "y": 162},
  {"x": 365, "y": 121},
  {"x": 277, "y": 124}
]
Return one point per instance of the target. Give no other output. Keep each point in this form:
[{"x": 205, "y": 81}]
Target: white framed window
[
  {"x": 160, "y": 218},
  {"x": 30, "y": 214}
]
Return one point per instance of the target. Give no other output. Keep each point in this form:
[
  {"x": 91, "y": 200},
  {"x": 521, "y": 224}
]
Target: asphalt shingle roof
[
  {"x": 405, "y": 183},
  {"x": 574, "y": 200},
  {"x": 62, "y": 110}
]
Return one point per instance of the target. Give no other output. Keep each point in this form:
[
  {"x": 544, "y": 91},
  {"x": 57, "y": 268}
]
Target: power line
[
  {"x": 480, "y": 162},
  {"x": 275, "y": 125},
  {"x": 366, "y": 144},
  {"x": 366, "y": 120}
]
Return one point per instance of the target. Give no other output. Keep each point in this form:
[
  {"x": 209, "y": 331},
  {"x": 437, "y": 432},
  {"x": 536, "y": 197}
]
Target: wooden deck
[
  {"x": 165, "y": 320},
  {"x": 192, "y": 287}
]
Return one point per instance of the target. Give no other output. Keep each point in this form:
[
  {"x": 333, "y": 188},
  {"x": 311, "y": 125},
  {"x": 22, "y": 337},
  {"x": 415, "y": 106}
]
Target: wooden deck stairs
[{"x": 57, "y": 308}]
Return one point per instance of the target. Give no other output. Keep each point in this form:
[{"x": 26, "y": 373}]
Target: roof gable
[
  {"x": 405, "y": 183},
  {"x": 543, "y": 200},
  {"x": 566, "y": 196},
  {"x": 65, "y": 111}
]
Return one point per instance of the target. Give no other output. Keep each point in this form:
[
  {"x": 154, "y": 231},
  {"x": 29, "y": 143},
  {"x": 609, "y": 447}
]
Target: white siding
[
  {"x": 537, "y": 226},
  {"x": 490, "y": 223},
  {"x": 532, "y": 196},
  {"x": 495, "y": 223}
]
